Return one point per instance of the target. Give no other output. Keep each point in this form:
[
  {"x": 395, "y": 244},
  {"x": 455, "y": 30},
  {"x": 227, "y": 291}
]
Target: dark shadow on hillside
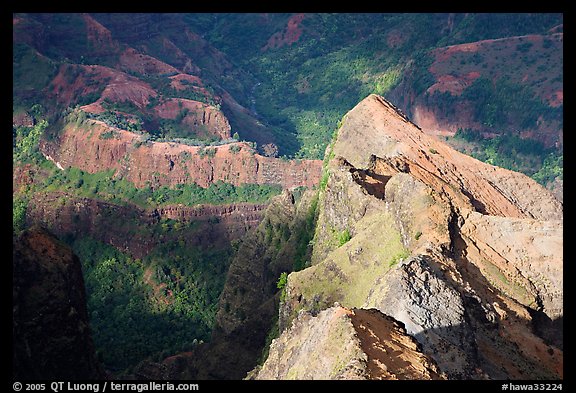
[
  {"x": 251, "y": 129},
  {"x": 373, "y": 183},
  {"x": 550, "y": 330},
  {"x": 496, "y": 353}
]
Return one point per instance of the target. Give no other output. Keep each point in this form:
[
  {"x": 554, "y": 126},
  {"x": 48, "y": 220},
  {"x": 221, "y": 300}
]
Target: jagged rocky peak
[
  {"x": 377, "y": 137},
  {"x": 466, "y": 255}
]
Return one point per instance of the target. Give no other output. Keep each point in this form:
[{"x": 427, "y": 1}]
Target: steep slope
[
  {"x": 51, "y": 333},
  {"x": 149, "y": 72},
  {"x": 340, "y": 343},
  {"x": 93, "y": 146},
  {"x": 248, "y": 305},
  {"x": 466, "y": 255},
  {"x": 530, "y": 64},
  {"x": 131, "y": 229}
]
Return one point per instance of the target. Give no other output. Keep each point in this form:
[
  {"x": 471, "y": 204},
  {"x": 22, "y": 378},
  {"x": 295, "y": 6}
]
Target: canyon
[{"x": 182, "y": 213}]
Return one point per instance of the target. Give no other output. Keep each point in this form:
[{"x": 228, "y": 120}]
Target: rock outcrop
[
  {"x": 466, "y": 255},
  {"x": 51, "y": 333},
  {"x": 203, "y": 120},
  {"x": 166, "y": 163},
  {"x": 340, "y": 343}
]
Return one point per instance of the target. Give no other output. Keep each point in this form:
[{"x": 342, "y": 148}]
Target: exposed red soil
[
  {"x": 289, "y": 35},
  {"x": 493, "y": 53},
  {"x": 22, "y": 119},
  {"x": 132, "y": 60},
  {"x": 99, "y": 36},
  {"x": 203, "y": 119},
  {"x": 452, "y": 84},
  {"x": 22, "y": 176},
  {"x": 538, "y": 66},
  {"x": 119, "y": 86},
  {"x": 442, "y": 54},
  {"x": 65, "y": 90},
  {"x": 556, "y": 98},
  {"x": 166, "y": 163},
  {"x": 392, "y": 353}
]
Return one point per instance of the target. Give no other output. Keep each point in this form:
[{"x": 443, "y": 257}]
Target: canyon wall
[{"x": 95, "y": 147}]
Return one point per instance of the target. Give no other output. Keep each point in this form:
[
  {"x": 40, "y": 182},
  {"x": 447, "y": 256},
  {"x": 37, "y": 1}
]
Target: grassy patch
[
  {"x": 347, "y": 275},
  {"x": 103, "y": 185},
  {"x": 344, "y": 237},
  {"x": 19, "y": 207}
]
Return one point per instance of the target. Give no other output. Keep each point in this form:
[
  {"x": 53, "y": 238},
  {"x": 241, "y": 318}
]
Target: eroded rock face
[
  {"x": 340, "y": 343},
  {"x": 466, "y": 255},
  {"x": 528, "y": 253},
  {"x": 432, "y": 311},
  {"x": 203, "y": 120},
  {"x": 164, "y": 163},
  {"x": 51, "y": 334},
  {"x": 117, "y": 225},
  {"x": 374, "y": 128}
]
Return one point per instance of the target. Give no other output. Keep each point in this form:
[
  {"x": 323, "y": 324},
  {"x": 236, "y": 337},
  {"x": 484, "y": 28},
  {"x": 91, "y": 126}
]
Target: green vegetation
[
  {"x": 552, "y": 168},
  {"x": 108, "y": 135},
  {"x": 153, "y": 307},
  {"x": 475, "y": 27},
  {"x": 399, "y": 257},
  {"x": 505, "y": 104},
  {"x": 30, "y": 74},
  {"x": 282, "y": 281},
  {"x": 162, "y": 84},
  {"x": 235, "y": 149},
  {"x": 344, "y": 237},
  {"x": 306, "y": 87},
  {"x": 281, "y": 284},
  {"x": 528, "y": 156},
  {"x": 273, "y": 333},
  {"x": 304, "y": 235},
  {"x": 104, "y": 185},
  {"x": 339, "y": 278},
  {"x": 19, "y": 207},
  {"x": 25, "y": 143}
]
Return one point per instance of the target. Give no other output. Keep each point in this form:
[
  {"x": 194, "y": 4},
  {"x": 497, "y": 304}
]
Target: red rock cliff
[{"x": 167, "y": 163}]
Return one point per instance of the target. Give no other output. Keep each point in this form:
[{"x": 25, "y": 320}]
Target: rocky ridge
[
  {"x": 339, "y": 343},
  {"x": 466, "y": 255}
]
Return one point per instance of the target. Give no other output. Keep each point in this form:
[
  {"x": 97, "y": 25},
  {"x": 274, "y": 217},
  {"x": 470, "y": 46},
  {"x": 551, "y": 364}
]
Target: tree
[
  {"x": 282, "y": 280},
  {"x": 36, "y": 111},
  {"x": 27, "y": 143},
  {"x": 270, "y": 150},
  {"x": 236, "y": 136}
]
